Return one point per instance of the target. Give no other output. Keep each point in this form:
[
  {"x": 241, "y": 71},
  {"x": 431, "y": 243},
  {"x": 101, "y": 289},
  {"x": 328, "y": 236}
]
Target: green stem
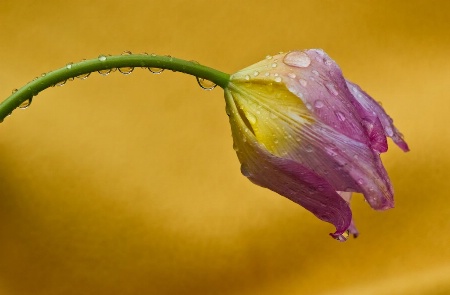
[{"x": 101, "y": 63}]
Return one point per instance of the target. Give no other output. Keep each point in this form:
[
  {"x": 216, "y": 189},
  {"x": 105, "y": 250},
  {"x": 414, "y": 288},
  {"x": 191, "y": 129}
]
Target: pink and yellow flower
[{"x": 302, "y": 130}]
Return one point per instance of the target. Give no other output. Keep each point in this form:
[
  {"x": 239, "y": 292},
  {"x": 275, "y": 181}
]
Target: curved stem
[{"x": 109, "y": 62}]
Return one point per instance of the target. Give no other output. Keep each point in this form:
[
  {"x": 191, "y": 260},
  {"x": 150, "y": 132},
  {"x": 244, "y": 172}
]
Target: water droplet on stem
[
  {"x": 83, "y": 76},
  {"x": 26, "y": 103},
  {"x": 206, "y": 84},
  {"x": 126, "y": 70}
]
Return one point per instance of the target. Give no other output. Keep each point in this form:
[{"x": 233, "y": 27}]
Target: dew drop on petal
[
  {"x": 268, "y": 56},
  {"x": 247, "y": 77},
  {"x": 332, "y": 89},
  {"x": 309, "y": 149},
  {"x": 343, "y": 237},
  {"x": 251, "y": 118},
  {"x": 319, "y": 104},
  {"x": 308, "y": 106},
  {"x": 303, "y": 82},
  {"x": 292, "y": 75},
  {"x": 297, "y": 59},
  {"x": 315, "y": 72},
  {"x": 331, "y": 151},
  {"x": 255, "y": 73},
  {"x": 340, "y": 116},
  {"x": 278, "y": 79},
  {"x": 274, "y": 65}
]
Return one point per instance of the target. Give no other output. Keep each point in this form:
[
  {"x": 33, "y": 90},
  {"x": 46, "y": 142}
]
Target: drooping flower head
[{"x": 302, "y": 130}]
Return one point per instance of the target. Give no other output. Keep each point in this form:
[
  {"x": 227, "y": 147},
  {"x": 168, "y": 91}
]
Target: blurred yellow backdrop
[{"x": 129, "y": 184}]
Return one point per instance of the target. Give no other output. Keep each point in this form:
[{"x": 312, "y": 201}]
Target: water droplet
[
  {"x": 328, "y": 62},
  {"x": 205, "y": 84},
  {"x": 83, "y": 76},
  {"x": 251, "y": 118},
  {"x": 303, "y": 82},
  {"x": 308, "y": 106},
  {"x": 247, "y": 77},
  {"x": 126, "y": 70},
  {"x": 331, "y": 150},
  {"x": 267, "y": 74},
  {"x": 319, "y": 104},
  {"x": 389, "y": 131},
  {"x": 315, "y": 72},
  {"x": 61, "y": 83},
  {"x": 343, "y": 237},
  {"x": 26, "y": 103},
  {"x": 269, "y": 57},
  {"x": 274, "y": 65},
  {"x": 278, "y": 79},
  {"x": 104, "y": 72},
  {"x": 155, "y": 70},
  {"x": 360, "y": 181},
  {"x": 101, "y": 57},
  {"x": 331, "y": 88},
  {"x": 255, "y": 73},
  {"x": 297, "y": 59},
  {"x": 309, "y": 149},
  {"x": 275, "y": 141},
  {"x": 340, "y": 116},
  {"x": 69, "y": 66},
  {"x": 235, "y": 147},
  {"x": 292, "y": 75}
]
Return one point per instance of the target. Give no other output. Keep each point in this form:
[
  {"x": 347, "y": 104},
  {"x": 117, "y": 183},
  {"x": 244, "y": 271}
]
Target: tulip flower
[{"x": 302, "y": 130}]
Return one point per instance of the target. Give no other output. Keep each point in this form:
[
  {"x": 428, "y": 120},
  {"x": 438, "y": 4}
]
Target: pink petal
[{"x": 374, "y": 113}]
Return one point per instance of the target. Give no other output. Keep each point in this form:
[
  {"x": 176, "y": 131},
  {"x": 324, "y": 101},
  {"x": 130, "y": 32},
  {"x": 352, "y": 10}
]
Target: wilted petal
[
  {"x": 302, "y": 132},
  {"x": 287, "y": 177}
]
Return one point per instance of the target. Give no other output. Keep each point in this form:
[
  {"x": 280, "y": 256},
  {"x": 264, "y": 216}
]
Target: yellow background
[{"x": 129, "y": 184}]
